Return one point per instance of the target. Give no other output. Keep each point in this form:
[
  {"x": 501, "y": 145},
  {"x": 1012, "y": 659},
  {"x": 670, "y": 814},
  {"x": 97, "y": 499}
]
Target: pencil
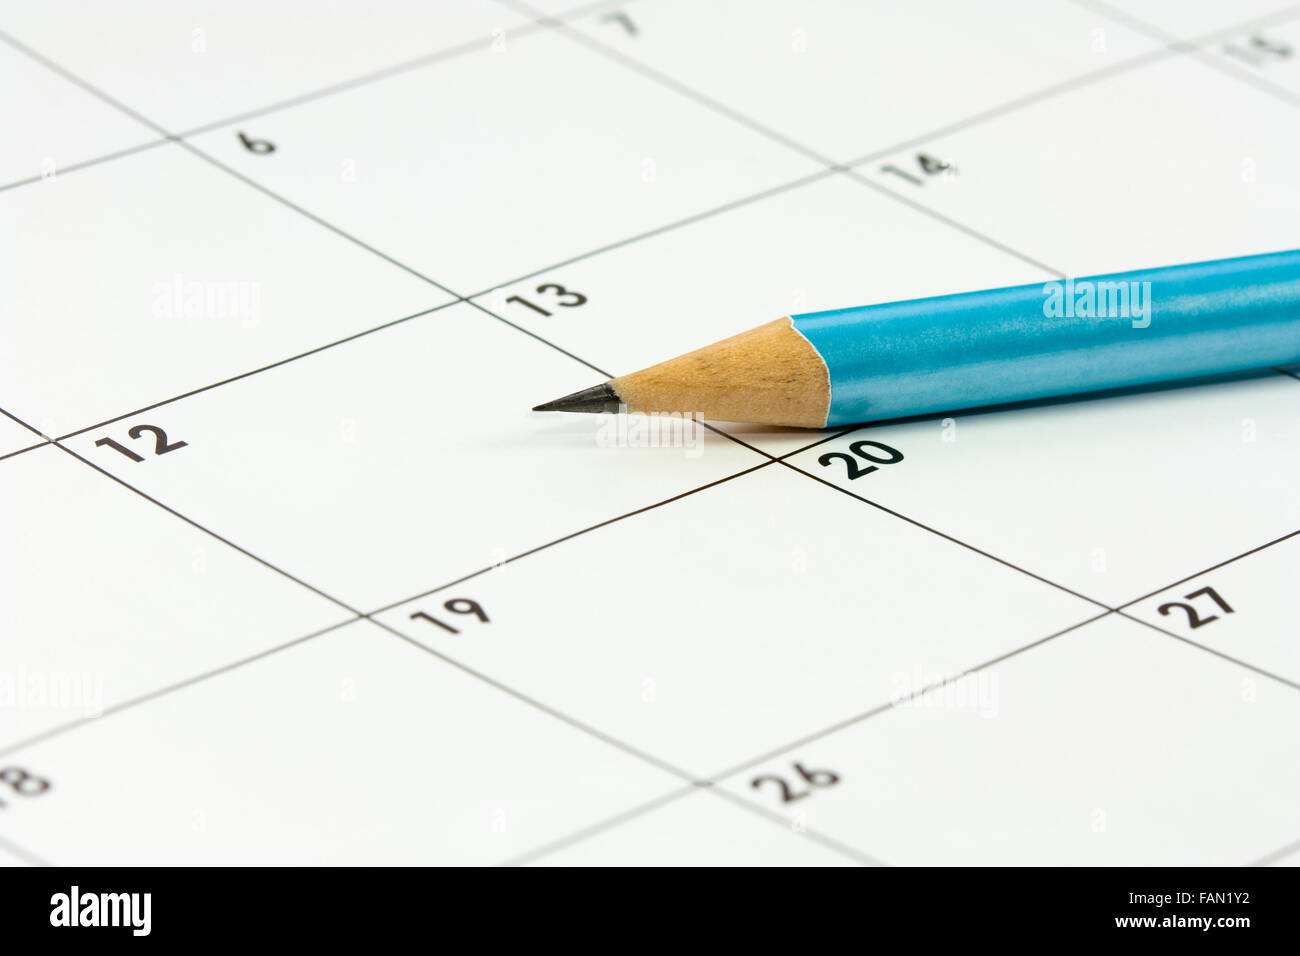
[{"x": 950, "y": 352}]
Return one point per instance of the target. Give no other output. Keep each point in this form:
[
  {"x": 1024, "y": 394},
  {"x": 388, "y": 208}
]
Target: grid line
[
  {"x": 1173, "y": 48},
  {"x": 756, "y": 197},
  {"x": 947, "y": 537},
  {"x": 249, "y": 181},
  {"x": 165, "y": 690},
  {"x": 786, "y": 749},
  {"x": 190, "y": 521},
  {"x": 1263, "y": 672},
  {"x": 206, "y": 530},
  {"x": 952, "y": 223},
  {"x": 1196, "y": 47},
  {"x": 669, "y": 82},
  {"x": 600, "y": 826},
  {"x": 645, "y": 756},
  {"x": 255, "y": 371},
  {"x": 540, "y": 705},
  {"x": 808, "y": 833},
  {"x": 82, "y": 84},
  {"x": 427, "y": 59},
  {"x": 86, "y": 163},
  {"x": 19, "y": 451},
  {"x": 1271, "y": 858},
  {"x": 720, "y": 108},
  {"x": 1213, "y": 567},
  {"x": 568, "y": 537},
  {"x": 22, "y": 853},
  {"x": 10, "y": 748}
]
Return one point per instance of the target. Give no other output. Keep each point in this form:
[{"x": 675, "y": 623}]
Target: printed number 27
[{"x": 1194, "y": 620}]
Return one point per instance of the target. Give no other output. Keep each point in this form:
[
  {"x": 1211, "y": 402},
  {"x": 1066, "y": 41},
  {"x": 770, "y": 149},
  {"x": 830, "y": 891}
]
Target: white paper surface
[{"x": 373, "y": 610}]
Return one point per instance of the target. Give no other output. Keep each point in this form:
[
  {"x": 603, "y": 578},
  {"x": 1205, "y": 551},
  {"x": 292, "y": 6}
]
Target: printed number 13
[{"x": 563, "y": 297}]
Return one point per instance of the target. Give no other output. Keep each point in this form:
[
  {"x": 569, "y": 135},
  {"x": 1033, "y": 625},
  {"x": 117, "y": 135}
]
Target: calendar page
[{"x": 292, "y": 575}]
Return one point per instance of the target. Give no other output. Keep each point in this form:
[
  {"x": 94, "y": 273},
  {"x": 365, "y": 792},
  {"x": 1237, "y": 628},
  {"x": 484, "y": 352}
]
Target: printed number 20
[{"x": 891, "y": 456}]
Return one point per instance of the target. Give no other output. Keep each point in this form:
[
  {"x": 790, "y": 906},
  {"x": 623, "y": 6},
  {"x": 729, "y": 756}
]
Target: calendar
[{"x": 293, "y": 575}]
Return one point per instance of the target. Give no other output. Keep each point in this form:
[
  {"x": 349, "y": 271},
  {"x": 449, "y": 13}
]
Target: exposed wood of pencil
[{"x": 770, "y": 375}]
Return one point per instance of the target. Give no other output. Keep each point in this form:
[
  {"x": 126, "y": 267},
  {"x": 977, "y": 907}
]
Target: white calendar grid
[{"x": 558, "y": 771}]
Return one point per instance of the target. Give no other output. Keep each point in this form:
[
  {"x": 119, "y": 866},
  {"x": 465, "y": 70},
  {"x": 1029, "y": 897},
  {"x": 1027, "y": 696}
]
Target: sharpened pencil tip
[{"x": 598, "y": 398}]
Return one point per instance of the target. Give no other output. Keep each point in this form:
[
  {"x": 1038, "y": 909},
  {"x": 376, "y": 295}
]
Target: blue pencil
[{"x": 952, "y": 352}]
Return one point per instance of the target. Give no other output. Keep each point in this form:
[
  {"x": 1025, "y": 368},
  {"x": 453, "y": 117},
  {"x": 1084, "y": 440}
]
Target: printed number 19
[{"x": 456, "y": 606}]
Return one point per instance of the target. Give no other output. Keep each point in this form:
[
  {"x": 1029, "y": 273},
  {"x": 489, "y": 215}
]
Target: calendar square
[
  {"x": 236, "y": 57},
  {"x": 53, "y": 123},
  {"x": 824, "y": 245},
  {"x": 1015, "y": 173},
  {"x": 1245, "y": 608},
  {"x": 365, "y": 487},
  {"x": 557, "y": 153},
  {"x": 1112, "y": 497},
  {"x": 848, "y": 79},
  {"x": 741, "y": 623},
  {"x": 157, "y": 274},
  {"x": 1098, "y": 752},
  {"x": 319, "y": 768},
  {"x": 107, "y": 597}
]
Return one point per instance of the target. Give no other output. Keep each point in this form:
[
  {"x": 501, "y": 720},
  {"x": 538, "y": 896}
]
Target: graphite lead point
[{"x": 598, "y": 398}]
